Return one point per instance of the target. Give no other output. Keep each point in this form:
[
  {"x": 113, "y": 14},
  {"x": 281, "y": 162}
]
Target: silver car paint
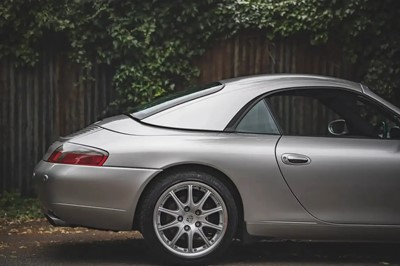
[
  {"x": 349, "y": 181},
  {"x": 237, "y": 156},
  {"x": 213, "y": 112},
  {"x": 139, "y": 152},
  {"x": 101, "y": 197}
]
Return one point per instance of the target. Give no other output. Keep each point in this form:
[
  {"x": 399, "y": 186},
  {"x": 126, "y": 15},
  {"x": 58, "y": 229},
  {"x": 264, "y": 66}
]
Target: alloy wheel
[{"x": 190, "y": 219}]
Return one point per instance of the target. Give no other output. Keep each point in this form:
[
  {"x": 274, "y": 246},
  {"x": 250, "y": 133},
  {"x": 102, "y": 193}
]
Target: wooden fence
[
  {"x": 40, "y": 104},
  {"x": 254, "y": 54}
]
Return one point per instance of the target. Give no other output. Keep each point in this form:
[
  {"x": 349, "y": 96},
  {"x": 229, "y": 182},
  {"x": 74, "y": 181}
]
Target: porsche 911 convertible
[{"x": 275, "y": 156}]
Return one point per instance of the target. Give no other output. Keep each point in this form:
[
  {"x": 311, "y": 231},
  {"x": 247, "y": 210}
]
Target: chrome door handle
[{"x": 295, "y": 159}]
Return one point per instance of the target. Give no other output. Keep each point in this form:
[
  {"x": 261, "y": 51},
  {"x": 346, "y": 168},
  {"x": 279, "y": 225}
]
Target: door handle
[{"x": 295, "y": 159}]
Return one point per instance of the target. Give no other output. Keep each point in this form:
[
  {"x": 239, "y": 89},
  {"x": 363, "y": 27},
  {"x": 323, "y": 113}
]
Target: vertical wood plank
[
  {"x": 12, "y": 130},
  {"x": 236, "y": 72}
]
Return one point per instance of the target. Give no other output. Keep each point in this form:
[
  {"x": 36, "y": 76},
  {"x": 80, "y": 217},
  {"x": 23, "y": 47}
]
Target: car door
[{"x": 339, "y": 154}]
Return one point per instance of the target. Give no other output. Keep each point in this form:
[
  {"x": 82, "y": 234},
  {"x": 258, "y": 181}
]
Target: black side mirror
[
  {"x": 394, "y": 133},
  {"x": 338, "y": 127}
]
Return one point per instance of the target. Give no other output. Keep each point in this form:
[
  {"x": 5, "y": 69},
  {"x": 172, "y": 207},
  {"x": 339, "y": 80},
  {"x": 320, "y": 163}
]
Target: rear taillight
[{"x": 70, "y": 153}]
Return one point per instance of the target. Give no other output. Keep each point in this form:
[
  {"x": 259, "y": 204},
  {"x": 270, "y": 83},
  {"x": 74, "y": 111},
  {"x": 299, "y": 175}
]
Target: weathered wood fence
[
  {"x": 254, "y": 54},
  {"x": 40, "y": 104},
  {"x": 51, "y": 99}
]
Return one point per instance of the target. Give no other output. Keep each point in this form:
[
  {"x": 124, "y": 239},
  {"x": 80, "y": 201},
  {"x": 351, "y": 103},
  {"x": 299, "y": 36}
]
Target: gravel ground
[{"x": 38, "y": 243}]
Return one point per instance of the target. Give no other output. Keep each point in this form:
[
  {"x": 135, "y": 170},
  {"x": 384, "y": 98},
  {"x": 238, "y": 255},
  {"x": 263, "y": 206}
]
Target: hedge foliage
[
  {"x": 152, "y": 43},
  {"x": 14, "y": 207}
]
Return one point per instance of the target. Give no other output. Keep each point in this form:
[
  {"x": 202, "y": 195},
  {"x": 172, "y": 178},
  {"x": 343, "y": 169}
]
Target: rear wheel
[{"x": 189, "y": 217}]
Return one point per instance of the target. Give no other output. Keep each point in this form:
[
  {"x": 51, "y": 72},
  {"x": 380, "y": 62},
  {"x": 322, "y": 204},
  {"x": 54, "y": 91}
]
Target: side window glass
[
  {"x": 258, "y": 120},
  {"x": 300, "y": 114},
  {"x": 385, "y": 125},
  {"x": 332, "y": 113}
]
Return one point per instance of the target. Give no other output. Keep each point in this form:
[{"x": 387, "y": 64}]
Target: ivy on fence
[{"x": 152, "y": 43}]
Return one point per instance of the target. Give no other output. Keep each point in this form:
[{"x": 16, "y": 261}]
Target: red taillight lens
[{"x": 79, "y": 155}]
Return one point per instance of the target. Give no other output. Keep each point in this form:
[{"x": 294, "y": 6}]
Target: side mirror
[
  {"x": 394, "y": 133},
  {"x": 338, "y": 127}
]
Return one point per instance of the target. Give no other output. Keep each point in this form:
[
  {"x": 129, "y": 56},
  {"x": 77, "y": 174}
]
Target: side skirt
[{"x": 322, "y": 232}]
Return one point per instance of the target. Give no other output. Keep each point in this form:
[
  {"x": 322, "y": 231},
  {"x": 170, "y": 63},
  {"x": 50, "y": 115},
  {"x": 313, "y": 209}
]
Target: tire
[{"x": 170, "y": 221}]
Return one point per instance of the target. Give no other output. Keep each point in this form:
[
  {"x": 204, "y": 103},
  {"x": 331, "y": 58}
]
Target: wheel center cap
[{"x": 189, "y": 218}]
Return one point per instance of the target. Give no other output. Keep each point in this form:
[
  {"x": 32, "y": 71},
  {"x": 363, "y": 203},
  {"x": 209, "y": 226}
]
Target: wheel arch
[{"x": 201, "y": 168}]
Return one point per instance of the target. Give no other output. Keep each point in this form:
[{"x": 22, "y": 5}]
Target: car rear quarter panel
[
  {"x": 247, "y": 159},
  {"x": 99, "y": 197}
]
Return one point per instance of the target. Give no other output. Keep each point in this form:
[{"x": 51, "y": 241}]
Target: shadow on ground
[
  {"x": 129, "y": 251},
  {"x": 136, "y": 252}
]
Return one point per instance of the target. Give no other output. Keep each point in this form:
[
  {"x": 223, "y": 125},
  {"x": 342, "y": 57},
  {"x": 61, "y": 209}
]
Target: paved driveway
[{"x": 37, "y": 243}]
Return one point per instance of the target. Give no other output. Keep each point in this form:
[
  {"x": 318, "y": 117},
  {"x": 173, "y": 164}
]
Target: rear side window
[{"x": 258, "y": 120}]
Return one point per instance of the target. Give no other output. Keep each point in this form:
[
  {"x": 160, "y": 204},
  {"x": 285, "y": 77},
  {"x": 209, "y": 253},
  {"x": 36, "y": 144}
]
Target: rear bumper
[
  {"x": 99, "y": 197},
  {"x": 54, "y": 220}
]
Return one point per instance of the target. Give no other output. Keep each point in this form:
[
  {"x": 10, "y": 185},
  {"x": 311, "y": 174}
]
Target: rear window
[{"x": 174, "y": 99}]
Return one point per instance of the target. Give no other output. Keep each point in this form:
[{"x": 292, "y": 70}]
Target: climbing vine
[{"x": 152, "y": 44}]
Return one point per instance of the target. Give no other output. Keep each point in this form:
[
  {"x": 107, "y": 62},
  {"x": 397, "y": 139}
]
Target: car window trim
[
  {"x": 247, "y": 107},
  {"x": 361, "y": 94},
  {"x": 268, "y": 110},
  {"x": 232, "y": 125}
]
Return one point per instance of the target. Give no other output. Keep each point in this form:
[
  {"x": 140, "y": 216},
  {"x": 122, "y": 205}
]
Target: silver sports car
[{"x": 274, "y": 156}]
